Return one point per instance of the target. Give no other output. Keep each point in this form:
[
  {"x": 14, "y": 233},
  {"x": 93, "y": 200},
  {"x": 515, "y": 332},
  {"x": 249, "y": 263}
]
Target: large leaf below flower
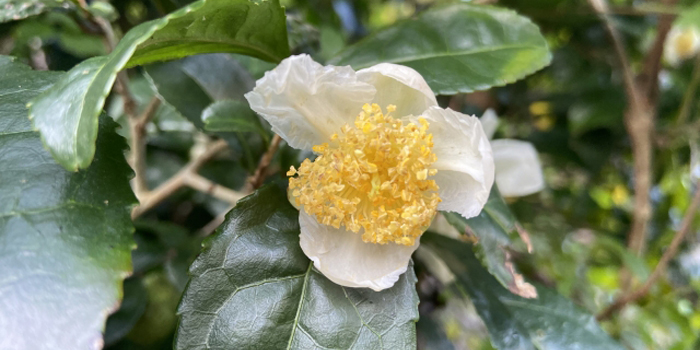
[
  {"x": 253, "y": 288},
  {"x": 66, "y": 114},
  {"x": 65, "y": 237},
  {"x": 457, "y": 48},
  {"x": 548, "y": 322}
]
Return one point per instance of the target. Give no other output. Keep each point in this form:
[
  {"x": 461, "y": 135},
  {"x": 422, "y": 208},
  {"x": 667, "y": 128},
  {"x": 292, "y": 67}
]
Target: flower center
[
  {"x": 373, "y": 177},
  {"x": 685, "y": 44}
]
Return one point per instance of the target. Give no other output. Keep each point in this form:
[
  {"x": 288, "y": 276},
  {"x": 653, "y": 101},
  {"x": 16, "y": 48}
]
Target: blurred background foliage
[{"x": 572, "y": 111}]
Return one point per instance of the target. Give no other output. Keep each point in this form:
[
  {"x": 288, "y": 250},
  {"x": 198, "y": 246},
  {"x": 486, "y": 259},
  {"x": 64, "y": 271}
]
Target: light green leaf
[
  {"x": 689, "y": 17},
  {"x": 66, "y": 114},
  {"x": 457, "y": 48},
  {"x": 548, "y": 322},
  {"x": 253, "y": 288},
  {"x": 65, "y": 237},
  {"x": 492, "y": 228},
  {"x": 13, "y": 10}
]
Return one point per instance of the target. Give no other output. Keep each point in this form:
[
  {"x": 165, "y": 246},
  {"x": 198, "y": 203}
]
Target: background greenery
[{"x": 562, "y": 90}]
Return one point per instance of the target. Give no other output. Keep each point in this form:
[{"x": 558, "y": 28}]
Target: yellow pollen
[
  {"x": 685, "y": 43},
  {"x": 373, "y": 177}
]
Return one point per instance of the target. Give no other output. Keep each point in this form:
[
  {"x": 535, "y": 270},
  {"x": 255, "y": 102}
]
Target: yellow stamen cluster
[
  {"x": 373, "y": 177},
  {"x": 685, "y": 43}
]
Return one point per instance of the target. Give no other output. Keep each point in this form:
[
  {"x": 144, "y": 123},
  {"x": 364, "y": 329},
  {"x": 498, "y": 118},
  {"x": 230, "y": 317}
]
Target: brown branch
[
  {"x": 187, "y": 176},
  {"x": 137, "y": 155},
  {"x": 661, "y": 266},
  {"x": 649, "y": 79},
  {"x": 258, "y": 177},
  {"x": 639, "y": 121}
]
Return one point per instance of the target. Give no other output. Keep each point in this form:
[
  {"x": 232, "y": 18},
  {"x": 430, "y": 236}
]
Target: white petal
[
  {"x": 518, "y": 168},
  {"x": 464, "y": 161},
  {"x": 346, "y": 260},
  {"x": 489, "y": 121},
  {"x": 675, "y": 47},
  {"x": 400, "y": 86},
  {"x": 305, "y": 102}
]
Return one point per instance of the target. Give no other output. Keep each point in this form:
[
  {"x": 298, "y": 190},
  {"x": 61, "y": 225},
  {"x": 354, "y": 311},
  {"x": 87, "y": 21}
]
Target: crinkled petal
[
  {"x": 489, "y": 121},
  {"x": 346, "y": 260},
  {"x": 518, "y": 168},
  {"x": 400, "y": 86},
  {"x": 306, "y": 102},
  {"x": 464, "y": 160}
]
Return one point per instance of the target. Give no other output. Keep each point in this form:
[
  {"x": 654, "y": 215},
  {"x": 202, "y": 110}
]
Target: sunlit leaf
[{"x": 65, "y": 237}]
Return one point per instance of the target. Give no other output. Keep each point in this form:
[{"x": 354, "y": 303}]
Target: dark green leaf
[
  {"x": 133, "y": 306},
  {"x": 491, "y": 228},
  {"x": 547, "y": 322},
  {"x": 192, "y": 84},
  {"x": 65, "y": 237},
  {"x": 233, "y": 116},
  {"x": 457, "y": 48},
  {"x": 253, "y": 288},
  {"x": 12, "y": 10},
  {"x": 66, "y": 115}
]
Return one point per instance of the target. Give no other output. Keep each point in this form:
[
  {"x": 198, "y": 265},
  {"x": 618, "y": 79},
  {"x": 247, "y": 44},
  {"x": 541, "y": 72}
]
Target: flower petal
[
  {"x": 464, "y": 160},
  {"x": 346, "y": 260},
  {"x": 400, "y": 86},
  {"x": 489, "y": 121},
  {"x": 518, "y": 168},
  {"x": 305, "y": 102}
]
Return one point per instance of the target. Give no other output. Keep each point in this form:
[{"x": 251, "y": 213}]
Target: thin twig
[
  {"x": 259, "y": 176},
  {"x": 137, "y": 156},
  {"x": 187, "y": 176},
  {"x": 689, "y": 96},
  {"x": 639, "y": 121},
  {"x": 661, "y": 266}
]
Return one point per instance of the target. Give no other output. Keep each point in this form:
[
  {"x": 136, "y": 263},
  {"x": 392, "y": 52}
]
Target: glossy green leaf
[
  {"x": 457, "y": 48},
  {"x": 232, "y": 116},
  {"x": 66, "y": 114},
  {"x": 65, "y": 237},
  {"x": 547, "y": 322},
  {"x": 13, "y": 10},
  {"x": 491, "y": 229},
  {"x": 253, "y": 288}
]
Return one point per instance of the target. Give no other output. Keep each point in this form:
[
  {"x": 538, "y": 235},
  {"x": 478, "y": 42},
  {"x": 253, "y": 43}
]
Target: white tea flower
[
  {"x": 518, "y": 168},
  {"x": 388, "y": 159},
  {"x": 682, "y": 43}
]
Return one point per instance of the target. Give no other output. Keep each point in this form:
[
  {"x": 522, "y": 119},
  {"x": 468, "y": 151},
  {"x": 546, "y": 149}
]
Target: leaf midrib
[
  {"x": 464, "y": 53},
  {"x": 153, "y": 42},
  {"x": 301, "y": 304}
]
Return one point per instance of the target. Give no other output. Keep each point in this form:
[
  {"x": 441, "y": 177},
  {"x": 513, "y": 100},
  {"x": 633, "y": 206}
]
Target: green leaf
[
  {"x": 232, "y": 116},
  {"x": 491, "y": 228},
  {"x": 457, "y": 48},
  {"x": 65, "y": 237},
  {"x": 192, "y": 84},
  {"x": 66, "y": 114},
  {"x": 13, "y": 10},
  {"x": 253, "y": 288},
  {"x": 689, "y": 17},
  {"x": 547, "y": 322},
  {"x": 132, "y": 307},
  {"x": 254, "y": 28}
]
